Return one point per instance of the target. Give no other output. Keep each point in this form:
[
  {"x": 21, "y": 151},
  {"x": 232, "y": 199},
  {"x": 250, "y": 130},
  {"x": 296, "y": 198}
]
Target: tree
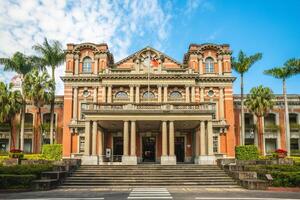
[
  {"x": 241, "y": 65},
  {"x": 259, "y": 101},
  {"x": 22, "y": 65},
  {"x": 38, "y": 88},
  {"x": 10, "y": 105},
  {"x": 290, "y": 68},
  {"x": 53, "y": 55}
]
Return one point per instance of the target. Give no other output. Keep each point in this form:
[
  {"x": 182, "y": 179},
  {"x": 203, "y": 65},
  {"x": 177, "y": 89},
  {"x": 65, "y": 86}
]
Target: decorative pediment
[{"x": 146, "y": 53}]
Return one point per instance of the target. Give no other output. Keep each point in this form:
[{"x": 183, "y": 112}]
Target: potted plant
[{"x": 281, "y": 153}]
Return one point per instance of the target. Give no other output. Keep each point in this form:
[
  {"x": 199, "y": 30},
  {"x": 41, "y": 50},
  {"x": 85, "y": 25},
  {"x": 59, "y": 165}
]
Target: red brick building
[{"x": 148, "y": 107}]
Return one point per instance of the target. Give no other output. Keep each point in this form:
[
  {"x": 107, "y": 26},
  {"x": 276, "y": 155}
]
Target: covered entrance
[
  {"x": 117, "y": 149},
  {"x": 179, "y": 149},
  {"x": 148, "y": 147}
]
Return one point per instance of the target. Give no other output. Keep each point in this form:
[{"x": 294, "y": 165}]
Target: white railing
[{"x": 149, "y": 107}]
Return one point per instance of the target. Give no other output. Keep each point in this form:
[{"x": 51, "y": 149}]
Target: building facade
[{"x": 148, "y": 107}]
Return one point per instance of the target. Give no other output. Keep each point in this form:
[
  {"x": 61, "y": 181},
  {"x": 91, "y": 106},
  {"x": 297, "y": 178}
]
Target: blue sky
[{"x": 267, "y": 26}]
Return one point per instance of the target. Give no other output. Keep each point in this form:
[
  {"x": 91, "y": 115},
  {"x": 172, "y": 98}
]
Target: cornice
[{"x": 216, "y": 79}]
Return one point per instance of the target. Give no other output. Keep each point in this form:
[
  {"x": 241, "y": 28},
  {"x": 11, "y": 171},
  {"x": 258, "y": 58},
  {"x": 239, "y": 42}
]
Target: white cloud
[
  {"x": 24, "y": 23},
  {"x": 202, "y": 5}
]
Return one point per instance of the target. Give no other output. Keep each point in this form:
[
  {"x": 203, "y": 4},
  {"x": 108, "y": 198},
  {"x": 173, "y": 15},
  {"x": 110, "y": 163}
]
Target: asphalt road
[{"x": 152, "y": 193}]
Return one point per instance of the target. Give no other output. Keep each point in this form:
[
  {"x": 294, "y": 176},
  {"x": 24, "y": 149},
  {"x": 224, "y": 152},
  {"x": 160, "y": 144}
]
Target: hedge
[
  {"x": 13, "y": 181},
  {"x": 52, "y": 151},
  {"x": 36, "y": 169},
  {"x": 283, "y": 175},
  {"x": 247, "y": 152}
]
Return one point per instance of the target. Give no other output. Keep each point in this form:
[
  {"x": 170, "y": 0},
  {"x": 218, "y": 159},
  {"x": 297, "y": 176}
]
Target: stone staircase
[{"x": 183, "y": 175}]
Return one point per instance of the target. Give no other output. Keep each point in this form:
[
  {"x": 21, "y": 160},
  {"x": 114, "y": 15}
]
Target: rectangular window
[
  {"x": 81, "y": 144},
  {"x": 83, "y": 106},
  {"x": 215, "y": 144}
]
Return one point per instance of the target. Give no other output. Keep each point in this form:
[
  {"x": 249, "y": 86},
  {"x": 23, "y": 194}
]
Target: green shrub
[
  {"x": 34, "y": 156},
  {"x": 9, "y": 181},
  {"x": 247, "y": 152},
  {"x": 296, "y": 159},
  {"x": 36, "y": 169},
  {"x": 286, "y": 179},
  {"x": 52, "y": 151}
]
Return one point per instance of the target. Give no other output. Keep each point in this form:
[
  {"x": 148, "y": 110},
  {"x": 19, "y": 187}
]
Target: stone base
[
  {"x": 89, "y": 160},
  {"x": 129, "y": 160},
  {"x": 205, "y": 160},
  {"x": 168, "y": 160}
]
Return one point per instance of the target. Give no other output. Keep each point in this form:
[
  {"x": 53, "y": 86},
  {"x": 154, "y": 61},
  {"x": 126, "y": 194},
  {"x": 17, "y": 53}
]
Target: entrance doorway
[
  {"x": 179, "y": 149},
  {"x": 148, "y": 144},
  {"x": 117, "y": 149}
]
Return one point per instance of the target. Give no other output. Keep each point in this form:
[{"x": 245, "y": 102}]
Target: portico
[{"x": 148, "y": 135}]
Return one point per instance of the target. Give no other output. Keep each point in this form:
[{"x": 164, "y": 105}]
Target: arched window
[
  {"x": 149, "y": 95},
  {"x": 209, "y": 65},
  {"x": 176, "y": 95},
  {"x": 121, "y": 95},
  {"x": 87, "y": 65}
]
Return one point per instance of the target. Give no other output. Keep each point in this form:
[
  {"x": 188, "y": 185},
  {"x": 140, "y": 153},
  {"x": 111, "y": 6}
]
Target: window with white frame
[
  {"x": 209, "y": 65},
  {"x": 175, "y": 95},
  {"x": 121, "y": 95},
  {"x": 148, "y": 95},
  {"x": 87, "y": 65}
]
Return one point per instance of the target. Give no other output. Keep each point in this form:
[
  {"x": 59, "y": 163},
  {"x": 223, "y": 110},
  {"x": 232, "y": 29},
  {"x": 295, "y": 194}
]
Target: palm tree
[
  {"x": 53, "y": 56},
  {"x": 259, "y": 101},
  {"x": 39, "y": 90},
  {"x": 241, "y": 65},
  {"x": 10, "y": 105},
  {"x": 286, "y": 71},
  {"x": 22, "y": 65}
]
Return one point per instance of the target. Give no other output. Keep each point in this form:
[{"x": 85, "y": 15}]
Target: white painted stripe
[
  {"x": 239, "y": 198},
  {"x": 98, "y": 198},
  {"x": 145, "y": 192},
  {"x": 149, "y": 198}
]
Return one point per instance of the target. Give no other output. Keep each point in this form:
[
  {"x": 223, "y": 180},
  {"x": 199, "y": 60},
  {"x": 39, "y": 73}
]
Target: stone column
[
  {"x": 193, "y": 94},
  {"x": 104, "y": 93},
  {"x": 96, "y": 59},
  {"x": 221, "y": 99},
  {"x": 159, "y": 93},
  {"x": 137, "y": 94},
  {"x": 133, "y": 139},
  {"x": 100, "y": 141},
  {"x": 201, "y": 94},
  {"x": 95, "y": 95},
  {"x": 187, "y": 94},
  {"x": 164, "y": 138},
  {"x": 94, "y": 139},
  {"x": 75, "y": 103},
  {"x": 202, "y": 139},
  {"x": 209, "y": 138},
  {"x": 200, "y": 65},
  {"x": 197, "y": 142},
  {"x": 125, "y": 139},
  {"x": 131, "y": 95},
  {"x": 165, "y": 93},
  {"x": 220, "y": 65},
  {"x": 171, "y": 138},
  {"x": 76, "y": 57},
  {"x": 109, "y": 94},
  {"x": 87, "y": 138}
]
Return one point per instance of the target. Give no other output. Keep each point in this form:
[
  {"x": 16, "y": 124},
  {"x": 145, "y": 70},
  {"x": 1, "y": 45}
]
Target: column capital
[
  {"x": 75, "y": 87},
  {"x": 76, "y": 56},
  {"x": 165, "y": 85},
  {"x": 159, "y": 85},
  {"x": 131, "y": 85},
  {"x": 220, "y": 57},
  {"x": 133, "y": 120},
  {"x": 187, "y": 85},
  {"x": 137, "y": 85}
]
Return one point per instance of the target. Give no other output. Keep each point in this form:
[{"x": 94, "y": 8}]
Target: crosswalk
[{"x": 149, "y": 193}]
